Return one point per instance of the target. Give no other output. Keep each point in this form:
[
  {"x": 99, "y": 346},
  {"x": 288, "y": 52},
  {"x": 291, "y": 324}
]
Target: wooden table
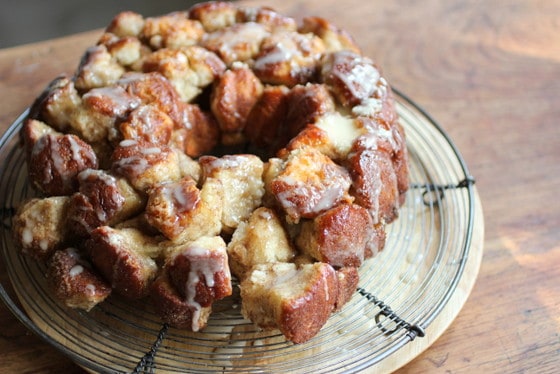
[{"x": 490, "y": 75}]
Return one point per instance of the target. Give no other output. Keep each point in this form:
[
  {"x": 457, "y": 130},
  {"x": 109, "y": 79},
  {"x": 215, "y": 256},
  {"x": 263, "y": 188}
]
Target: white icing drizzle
[
  {"x": 150, "y": 151},
  {"x": 361, "y": 81},
  {"x": 134, "y": 164},
  {"x": 201, "y": 264},
  {"x": 236, "y": 36},
  {"x": 26, "y": 236},
  {"x": 279, "y": 54},
  {"x": 128, "y": 143},
  {"x": 368, "y": 107},
  {"x": 90, "y": 289},
  {"x": 328, "y": 198},
  {"x": 76, "y": 270},
  {"x": 120, "y": 100}
]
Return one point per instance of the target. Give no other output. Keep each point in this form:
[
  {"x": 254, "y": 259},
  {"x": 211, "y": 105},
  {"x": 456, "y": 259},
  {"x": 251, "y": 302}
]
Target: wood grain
[{"x": 489, "y": 76}]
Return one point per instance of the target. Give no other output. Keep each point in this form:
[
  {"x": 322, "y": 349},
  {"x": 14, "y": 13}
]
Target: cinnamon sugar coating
[{"x": 222, "y": 136}]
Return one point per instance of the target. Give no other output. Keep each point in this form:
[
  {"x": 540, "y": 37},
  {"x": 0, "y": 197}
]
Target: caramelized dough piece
[
  {"x": 199, "y": 132},
  {"x": 147, "y": 123},
  {"x": 288, "y": 58},
  {"x": 189, "y": 69},
  {"x": 348, "y": 278},
  {"x": 174, "y": 309},
  {"x": 73, "y": 281},
  {"x": 233, "y": 97},
  {"x": 31, "y": 132},
  {"x": 273, "y": 21},
  {"x": 306, "y": 104},
  {"x": 241, "y": 179},
  {"x": 183, "y": 213},
  {"x": 265, "y": 122},
  {"x": 173, "y": 30},
  {"x": 337, "y": 236},
  {"x": 145, "y": 164},
  {"x": 314, "y": 137},
  {"x": 297, "y": 301},
  {"x": 389, "y": 138},
  {"x": 334, "y": 38},
  {"x": 351, "y": 77},
  {"x": 103, "y": 199},
  {"x": 260, "y": 240},
  {"x": 309, "y": 183},
  {"x": 374, "y": 182},
  {"x": 101, "y": 109},
  {"x": 239, "y": 42},
  {"x": 154, "y": 88},
  {"x": 39, "y": 226},
  {"x": 379, "y": 106},
  {"x": 124, "y": 259},
  {"x": 199, "y": 270},
  {"x": 171, "y": 206},
  {"x": 126, "y": 50},
  {"x": 125, "y": 24},
  {"x": 214, "y": 15},
  {"x": 195, "y": 275},
  {"x": 55, "y": 162},
  {"x": 57, "y": 104},
  {"x": 98, "y": 68},
  {"x": 376, "y": 241}
]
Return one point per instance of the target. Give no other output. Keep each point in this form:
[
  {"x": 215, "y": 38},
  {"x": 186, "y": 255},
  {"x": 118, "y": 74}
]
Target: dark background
[{"x": 27, "y": 21}]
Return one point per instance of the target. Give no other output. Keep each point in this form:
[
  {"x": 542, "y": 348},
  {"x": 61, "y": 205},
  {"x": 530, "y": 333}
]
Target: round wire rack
[{"x": 401, "y": 291}]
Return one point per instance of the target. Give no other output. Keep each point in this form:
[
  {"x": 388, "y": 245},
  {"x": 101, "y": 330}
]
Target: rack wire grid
[{"x": 401, "y": 291}]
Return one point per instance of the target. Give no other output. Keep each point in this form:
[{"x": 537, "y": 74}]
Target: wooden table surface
[{"x": 490, "y": 75}]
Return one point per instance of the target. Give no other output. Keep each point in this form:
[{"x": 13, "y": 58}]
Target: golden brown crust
[
  {"x": 154, "y": 88},
  {"x": 173, "y": 30},
  {"x": 39, "y": 226},
  {"x": 306, "y": 104},
  {"x": 171, "y": 206},
  {"x": 309, "y": 183},
  {"x": 103, "y": 199},
  {"x": 98, "y": 68},
  {"x": 260, "y": 240},
  {"x": 264, "y": 126},
  {"x": 144, "y": 164},
  {"x": 237, "y": 43},
  {"x": 351, "y": 225},
  {"x": 374, "y": 182},
  {"x": 147, "y": 123},
  {"x": 121, "y": 257},
  {"x": 126, "y": 50},
  {"x": 199, "y": 270},
  {"x": 273, "y": 20},
  {"x": 175, "y": 310},
  {"x": 233, "y": 97},
  {"x": 241, "y": 180},
  {"x": 195, "y": 275},
  {"x": 334, "y": 38},
  {"x": 188, "y": 69},
  {"x": 351, "y": 77},
  {"x": 55, "y": 162},
  {"x": 288, "y": 58},
  {"x": 74, "y": 282},
  {"x": 126, "y": 23},
  {"x": 214, "y": 15},
  {"x": 348, "y": 279},
  {"x": 298, "y": 301},
  {"x": 31, "y": 132}
]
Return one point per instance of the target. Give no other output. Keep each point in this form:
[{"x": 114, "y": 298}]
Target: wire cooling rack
[{"x": 401, "y": 291}]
